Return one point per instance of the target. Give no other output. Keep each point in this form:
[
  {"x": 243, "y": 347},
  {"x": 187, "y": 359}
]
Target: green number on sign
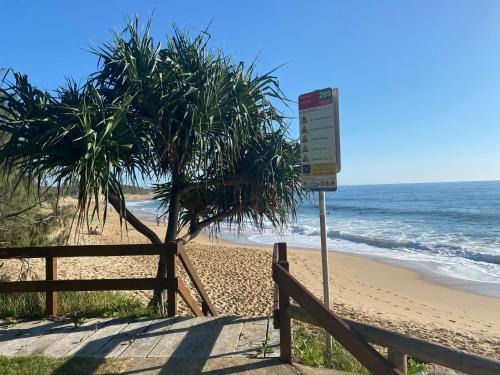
[{"x": 324, "y": 94}]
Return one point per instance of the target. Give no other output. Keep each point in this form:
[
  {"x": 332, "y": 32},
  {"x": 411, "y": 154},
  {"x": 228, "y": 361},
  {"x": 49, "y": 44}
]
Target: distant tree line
[{"x": 72, "y": 190}]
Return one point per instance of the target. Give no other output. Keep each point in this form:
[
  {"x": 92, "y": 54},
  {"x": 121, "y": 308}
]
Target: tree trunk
[
  {"x": 159, "y": 300},
  {"x": 132, "y": 220}
]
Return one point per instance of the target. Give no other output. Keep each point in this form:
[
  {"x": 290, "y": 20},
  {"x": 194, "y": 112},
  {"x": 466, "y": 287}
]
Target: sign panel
[{"x": 319, "y": 139}]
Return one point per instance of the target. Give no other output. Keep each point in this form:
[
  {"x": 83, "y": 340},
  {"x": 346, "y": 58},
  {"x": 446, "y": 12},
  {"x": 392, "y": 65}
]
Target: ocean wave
[
  {"x": 384, "y": 243},
  {"x": 407, "y": 212}
]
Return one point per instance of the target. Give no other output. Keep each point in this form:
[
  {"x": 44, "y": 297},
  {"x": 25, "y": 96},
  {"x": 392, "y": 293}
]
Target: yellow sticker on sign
[{"x": 323, "y": 169}]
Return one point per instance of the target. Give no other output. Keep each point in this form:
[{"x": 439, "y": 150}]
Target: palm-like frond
[
  {"x": 71, "y": 138},
  {"x": 189, "y": 117}
]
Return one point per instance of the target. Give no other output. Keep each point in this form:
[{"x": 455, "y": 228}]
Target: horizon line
[{"x": 418, "y": 182}]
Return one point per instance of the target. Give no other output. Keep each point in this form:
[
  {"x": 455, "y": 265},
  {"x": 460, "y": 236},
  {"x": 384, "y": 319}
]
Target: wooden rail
[
  {"x": 172, "y": 283},
  {"x": 206, "y": 305},
  {"x": 422, "y": 349},
  {"x": 334, "y": 325},
  {"x": 399, "y": 346}
]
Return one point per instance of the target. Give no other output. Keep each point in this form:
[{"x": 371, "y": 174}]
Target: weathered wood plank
[
  {"x": 61, "y": 347},
  {"x": 23, "y": 336},
  {"x": 196, "y": 338},
  {"x": 228, "y": 338},
  {"x": 42, "y": 342},
  {"x": 90, "y": 346},
  {"x": 273, "y": 341},
  {"x": 9, "y": 329},
  {"x": 200, "y": 339},
  {"x": 123, "y": 339},
  {"x": 147, "y": 340},
  {"x": 169, "y": 342},
  {"x": 253, "y": 334}
]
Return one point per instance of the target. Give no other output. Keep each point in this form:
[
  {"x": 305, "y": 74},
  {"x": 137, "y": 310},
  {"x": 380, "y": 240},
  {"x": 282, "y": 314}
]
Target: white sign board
[{"x": 319, "y": 139}]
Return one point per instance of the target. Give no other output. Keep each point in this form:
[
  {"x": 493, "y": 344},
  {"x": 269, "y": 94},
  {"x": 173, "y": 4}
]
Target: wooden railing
[
  {"x": 51, "y": 285},
  {"x": 354, "y": 336}
]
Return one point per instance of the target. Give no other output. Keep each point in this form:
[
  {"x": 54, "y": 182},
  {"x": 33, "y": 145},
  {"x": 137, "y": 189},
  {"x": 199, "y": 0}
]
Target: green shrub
[{"x": 37, "y": 365}]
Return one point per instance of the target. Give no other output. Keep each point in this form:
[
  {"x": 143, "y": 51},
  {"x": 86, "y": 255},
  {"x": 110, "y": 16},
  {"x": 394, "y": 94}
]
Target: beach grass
[
  {"x": 309, "y": 346},
  {"x": 38, "y": 365},
  {"x": 74, "y": 304}
]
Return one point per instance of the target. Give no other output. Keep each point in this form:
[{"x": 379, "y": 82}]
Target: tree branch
[
  {"x": 205, "y": 223},
  {"x": 23, "y": 210},
  {"x": 132, "y": 220}
]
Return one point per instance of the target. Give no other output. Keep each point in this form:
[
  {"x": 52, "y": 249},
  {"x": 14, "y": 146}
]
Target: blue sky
[{"x": 419, "y": 81}]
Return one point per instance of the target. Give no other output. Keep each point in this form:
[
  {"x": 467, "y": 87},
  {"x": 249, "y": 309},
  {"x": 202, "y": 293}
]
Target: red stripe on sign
[{"x": 311, "y": 100}]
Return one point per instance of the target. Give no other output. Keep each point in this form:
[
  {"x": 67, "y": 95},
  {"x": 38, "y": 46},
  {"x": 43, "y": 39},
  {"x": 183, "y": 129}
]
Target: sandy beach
[{"x": 238, "y": 279}]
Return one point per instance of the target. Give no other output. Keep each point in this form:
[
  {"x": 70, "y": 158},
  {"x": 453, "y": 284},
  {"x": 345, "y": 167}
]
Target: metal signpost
[{"x": 320, "y": 159}]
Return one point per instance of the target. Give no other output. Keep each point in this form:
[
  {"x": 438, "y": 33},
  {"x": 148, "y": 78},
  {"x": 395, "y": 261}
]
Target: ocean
[{"x": 449, "y": 231}]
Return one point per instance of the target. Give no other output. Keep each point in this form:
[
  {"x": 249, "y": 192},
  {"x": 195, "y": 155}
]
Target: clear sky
[{"x": 419, "y": 81}]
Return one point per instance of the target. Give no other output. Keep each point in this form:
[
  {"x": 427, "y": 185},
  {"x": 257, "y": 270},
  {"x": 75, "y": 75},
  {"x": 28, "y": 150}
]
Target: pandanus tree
[{"x": 200, "y": 127}]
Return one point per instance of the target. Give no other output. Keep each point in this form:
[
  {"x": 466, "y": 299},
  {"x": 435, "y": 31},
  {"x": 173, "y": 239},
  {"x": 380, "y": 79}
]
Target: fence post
[
  {"x": 172, "y": 251},
  {"x": 204, "y": 308},
  {"x": 284, "y": 319},
  {"x": 276, "y": 291},
  {"x": 398, "y": 359},
  {"x": 50, "y": 295}
]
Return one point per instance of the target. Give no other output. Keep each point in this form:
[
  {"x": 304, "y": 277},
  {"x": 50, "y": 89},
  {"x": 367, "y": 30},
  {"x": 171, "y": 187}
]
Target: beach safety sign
[{"x": 319, "y": 139}]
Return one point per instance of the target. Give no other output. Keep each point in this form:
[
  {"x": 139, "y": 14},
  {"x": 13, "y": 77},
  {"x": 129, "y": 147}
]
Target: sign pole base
[{"x": 324, "y": 261}]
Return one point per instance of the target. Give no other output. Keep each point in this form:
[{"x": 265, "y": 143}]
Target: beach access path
[{"x": 177, "y": 345}]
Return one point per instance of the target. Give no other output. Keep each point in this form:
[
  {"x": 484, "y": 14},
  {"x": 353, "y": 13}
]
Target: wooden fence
[
  {"x": 51, "y": 285},
  {"x": 355, "y": 336}
]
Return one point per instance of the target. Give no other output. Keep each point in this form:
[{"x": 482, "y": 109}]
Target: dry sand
[{"x": 238, "y": 280}]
